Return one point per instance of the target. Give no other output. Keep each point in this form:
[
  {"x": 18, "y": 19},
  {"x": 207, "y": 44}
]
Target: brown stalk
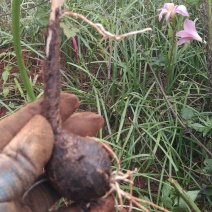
[{"x": 51, "y": 68}]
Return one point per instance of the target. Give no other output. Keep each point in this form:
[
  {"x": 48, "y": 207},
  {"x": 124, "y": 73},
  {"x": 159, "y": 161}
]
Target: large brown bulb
[{"x": 79, "y": 167}]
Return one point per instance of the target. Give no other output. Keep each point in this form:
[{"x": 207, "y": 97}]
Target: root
[
  {"x": 127, "y": 177},
  {"x": 116, "y": 177},
  {"x": 102, "y": 30}
]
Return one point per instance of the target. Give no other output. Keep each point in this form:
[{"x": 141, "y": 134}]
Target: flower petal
[
  {"x": 168, "y": 14},
  {"x": 181, "y": 9},
  {"x": 161, "y": 14},
  {"x": 183, "y": 40},
  {"x": 189, "y": 33},
  {"x": 190, "y": 28},
  {"x": 183, "y": 33},
  {"x": 197, "y": 37},
  {"x": 168, "y": 6}
]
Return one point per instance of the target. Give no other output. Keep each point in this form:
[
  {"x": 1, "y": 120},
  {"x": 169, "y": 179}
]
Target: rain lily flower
[
  {"x": 170, "y": 10},
  {"x": 189, "y": 33},
  {"x": 74, "y": 41},
  {"x": 75, "y": 44}
]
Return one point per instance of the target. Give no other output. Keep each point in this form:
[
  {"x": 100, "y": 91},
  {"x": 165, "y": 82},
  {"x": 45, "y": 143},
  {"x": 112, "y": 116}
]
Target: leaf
[
  {"x": 198, "y": 127},
  {"x": 187, "y": 113},
  {"x": 208, "y": 164},
  {"x": 3, "y": 54},
  {"x": 193, "y": 2},
  {"x": 162, "y": 58},
  {"x": 175, "y": 209},
  {"x": 5, "y": 76},
  {"x": 207, "y": 131},
  {"x": 167, "y": 202},
  {"x": 42, "y": 16},
  {"x": 184, "y": 48},
  {"x": 69, "y": 32},
  {"x": 7, "y": 68},
  {"x": 6, "y": 92},
  {"x": 209, "y": 120},
  {"x": 89, "y": 6},
  {"x": 166, "y": 190},
  {"x": 191, "y": 194},
  {"x": 12, "y": 105}
]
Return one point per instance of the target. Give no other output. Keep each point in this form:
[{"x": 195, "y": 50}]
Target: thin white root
[
  {"x": 116, "y": 177},
  {"x": 102, "y": 30},
  {"x": 127, "y": 177}
]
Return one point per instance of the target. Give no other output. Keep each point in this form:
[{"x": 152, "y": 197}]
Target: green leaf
[
  {"x": 6, "y": 92},
  {"x": 7, "y": 68},
  {"x": 12, "y": 105},
  {"x": 198, "y": 127},
  {"x": 162, "y": 58},
  {"x": 193, "y": 2},
  {"x": 167, "y": 202},
  {"x": 176, "y": 209},
  {"x": 89, "y": 6},
  {"x": 5, "y": 76},
  {"x": 184, "y": 48},
  {"x": 17, "y": 47},
  {"x": 187, "y": 113},
  {"x": 209, "y": 120},
  {"x": 166, "y": 190},
  {"x": 69, "y": 32},
  {"x": 42, "y": 16},
  {"x": 192, "y": 195},
  {"x": 208, "y": 163},
  {"x": 207, "y": 131}
]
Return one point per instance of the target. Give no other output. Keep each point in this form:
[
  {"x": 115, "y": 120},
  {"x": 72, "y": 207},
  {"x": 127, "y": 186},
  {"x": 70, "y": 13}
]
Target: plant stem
[
  {"x": 209, "y": 54},
  {"x": 171, "y": 55},
  {"x": 210, "y": 24},
  {"x": 51, "y": 68},
  {"x": 193, "y": 207},
  {"x": 17, "y": 47}
]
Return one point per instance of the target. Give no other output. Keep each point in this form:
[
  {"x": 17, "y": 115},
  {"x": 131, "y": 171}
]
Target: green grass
[{"x": 139, "y": 123}]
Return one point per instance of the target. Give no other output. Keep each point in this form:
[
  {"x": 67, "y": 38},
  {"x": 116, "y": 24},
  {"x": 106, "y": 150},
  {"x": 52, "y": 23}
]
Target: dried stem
[
  {"x": 102, "y": 30},
  {"x": 51, "y": 68}
]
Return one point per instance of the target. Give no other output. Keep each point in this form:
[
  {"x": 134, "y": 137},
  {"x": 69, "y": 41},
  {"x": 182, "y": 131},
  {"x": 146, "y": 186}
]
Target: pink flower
[
  {"x": 170, "y": 10},
  {"x": 189, "y": 33},
  {"x": 75, "y": 44}
]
